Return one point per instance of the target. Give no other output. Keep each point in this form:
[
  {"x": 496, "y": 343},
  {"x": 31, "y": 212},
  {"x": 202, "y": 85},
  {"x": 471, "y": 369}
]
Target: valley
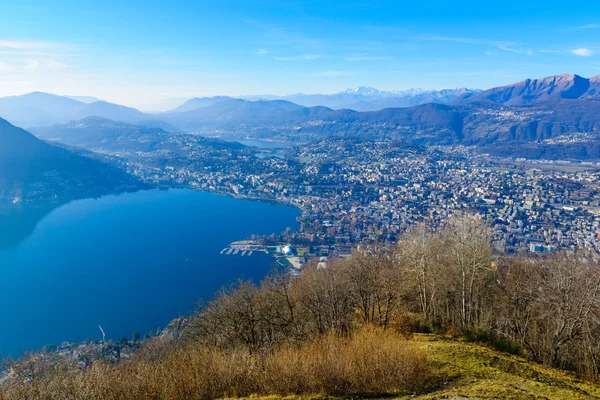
[
  {"x": 368, "y": 177},
  {"x": 258, "y": 199}
]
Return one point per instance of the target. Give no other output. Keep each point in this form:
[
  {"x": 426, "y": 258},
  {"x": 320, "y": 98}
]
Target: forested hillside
[{"x": 385, "y": 321}]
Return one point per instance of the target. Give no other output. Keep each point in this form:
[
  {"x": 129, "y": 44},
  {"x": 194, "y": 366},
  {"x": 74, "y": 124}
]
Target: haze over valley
[
  {"x": 529, "y": 114},
  {"x": 265, "y": 199}
]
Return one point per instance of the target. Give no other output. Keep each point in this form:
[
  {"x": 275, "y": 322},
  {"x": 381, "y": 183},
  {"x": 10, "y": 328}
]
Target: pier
[{"x": 244, "y": 248}]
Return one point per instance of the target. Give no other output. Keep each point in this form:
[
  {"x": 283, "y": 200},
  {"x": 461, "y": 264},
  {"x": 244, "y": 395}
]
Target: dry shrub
[{"x": 370, "y": 361}]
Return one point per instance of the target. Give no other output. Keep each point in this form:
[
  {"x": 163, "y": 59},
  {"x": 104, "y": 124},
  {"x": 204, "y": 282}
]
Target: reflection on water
[
  {"x": 264, "y": 144},
  {"x": 18, "y": 221},
  {"x": 273, "y": 154},
  {"x": 130, "y": 262}
]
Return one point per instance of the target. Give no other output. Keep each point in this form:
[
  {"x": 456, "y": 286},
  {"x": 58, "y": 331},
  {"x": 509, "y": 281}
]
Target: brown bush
[
  {"x": 316, "y": 333},
  {"x": 370, "y": 361}
]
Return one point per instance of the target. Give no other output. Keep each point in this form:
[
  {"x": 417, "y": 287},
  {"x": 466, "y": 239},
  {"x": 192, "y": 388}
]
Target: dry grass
[
  {"x": 473, "y": 371},
  {"x": 370, "y": 361},
  {"x": 468, "y": 371}
]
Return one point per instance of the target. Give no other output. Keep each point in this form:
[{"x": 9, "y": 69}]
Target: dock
[{"x": 244, "y": 248}]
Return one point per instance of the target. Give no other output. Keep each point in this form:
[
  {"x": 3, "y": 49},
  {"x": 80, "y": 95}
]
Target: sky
[{"x": 154, "y": 54}]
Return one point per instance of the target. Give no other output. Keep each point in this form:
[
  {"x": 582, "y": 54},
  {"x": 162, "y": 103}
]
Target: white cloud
[
  {"x": 53, "y": 64},
  {"x": 32, "y": 56},
  {"x": 382, "y": 28},
  {"x": 501, "y": 45},
  {"x": 307, "y": 57},
  {"x": 438, "y": 38},
  {"x": 366, "y": 58},
  {"x": 46, "y": 63},
  {"x": 333, "y": 73},
  {"x": 588, "y": 26},
  {"x": 32, "y": 64},
  {"x": 275, "y": 35},
  {"x": 261, "y": 51},
  {"x": 516, "y": 51},
  {"x": 583, "y": 52},
  {"x": 11, "y": 44},
  {"x": 35, "y": 53}
]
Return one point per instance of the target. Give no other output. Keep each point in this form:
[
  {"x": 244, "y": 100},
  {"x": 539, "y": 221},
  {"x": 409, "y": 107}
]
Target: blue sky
[{"x": 150, "y": 54}]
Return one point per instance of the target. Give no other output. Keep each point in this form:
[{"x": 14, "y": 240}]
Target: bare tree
[
  {"x": 469, "y": 257},
  {"x": 418, "y": 253}
]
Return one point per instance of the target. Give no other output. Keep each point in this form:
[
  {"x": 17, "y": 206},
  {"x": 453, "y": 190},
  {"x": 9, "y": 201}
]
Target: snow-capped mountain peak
[{"x": 363, "y": 91}]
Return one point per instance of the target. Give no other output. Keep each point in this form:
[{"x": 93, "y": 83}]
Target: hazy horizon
[{"x": 155, "y": 55}]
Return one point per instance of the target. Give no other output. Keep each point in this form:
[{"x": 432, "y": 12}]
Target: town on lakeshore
[
  {"x": 354, "y": 191},
  {"x": 292, "y": 199}
]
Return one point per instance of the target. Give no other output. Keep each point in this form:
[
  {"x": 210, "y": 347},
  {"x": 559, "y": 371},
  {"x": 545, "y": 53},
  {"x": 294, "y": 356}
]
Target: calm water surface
[
  {"x": 129, "y": 262},
  {"x": 264, "y": 144},
  {"x": 273, "y": 154}
]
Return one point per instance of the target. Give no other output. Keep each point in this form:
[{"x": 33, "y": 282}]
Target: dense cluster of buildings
[{"x": 354, "y": 191}]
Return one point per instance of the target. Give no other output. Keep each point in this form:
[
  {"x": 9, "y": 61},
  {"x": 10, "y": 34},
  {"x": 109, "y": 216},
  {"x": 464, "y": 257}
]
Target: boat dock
[{"x": 244, "y": 248}]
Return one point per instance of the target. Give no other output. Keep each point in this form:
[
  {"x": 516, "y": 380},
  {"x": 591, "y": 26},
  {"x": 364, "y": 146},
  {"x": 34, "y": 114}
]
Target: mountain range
[
  {"x": 31, "y": 169},
  {"x": 363, "y": 98},
  {"x": 538, "y": 114},
  {"x": 533, "y": 111},
  {"x": 101, "y": 134},
  {"x": 42, "y": 109},
  {"x": 366, "y": 98},
  {"x": 538, "y": 91}
]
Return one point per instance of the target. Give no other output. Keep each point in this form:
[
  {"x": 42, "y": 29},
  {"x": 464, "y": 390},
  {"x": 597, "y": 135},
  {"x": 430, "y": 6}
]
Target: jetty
[{"x": 245, "y": 247}]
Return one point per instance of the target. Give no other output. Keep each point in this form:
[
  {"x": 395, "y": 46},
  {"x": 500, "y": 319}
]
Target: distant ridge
[
  {"x": 537, "y": 91},
  {"x": 500, "y": 120},
  {"x": 96, "y": 133},
  {"x": 232, "y": 112},
  {"x": 33, "y": 169},
  {"x": 361, "y": 98},
  {"x": 43, "y": 109},
  {"x": 38, "y": 108},
  {"x": 366, "y": 98},
  {"x": 84, "y": 99},
  {"x": 532, "y": 111},
  {"x": 199, "y": 102}
]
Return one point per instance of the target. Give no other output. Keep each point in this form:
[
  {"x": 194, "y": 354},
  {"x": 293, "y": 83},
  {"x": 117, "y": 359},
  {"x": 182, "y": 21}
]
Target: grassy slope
[
  {"x": 473, "y": 371},
  {"x": 477, "y": 372}
]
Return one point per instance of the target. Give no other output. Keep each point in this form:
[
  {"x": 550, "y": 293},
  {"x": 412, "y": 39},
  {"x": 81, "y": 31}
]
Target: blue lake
[
  {"x": 129, "y": 262},
  {"x": 264, "y": 144},
  {"x": 273, "y": 154}
]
